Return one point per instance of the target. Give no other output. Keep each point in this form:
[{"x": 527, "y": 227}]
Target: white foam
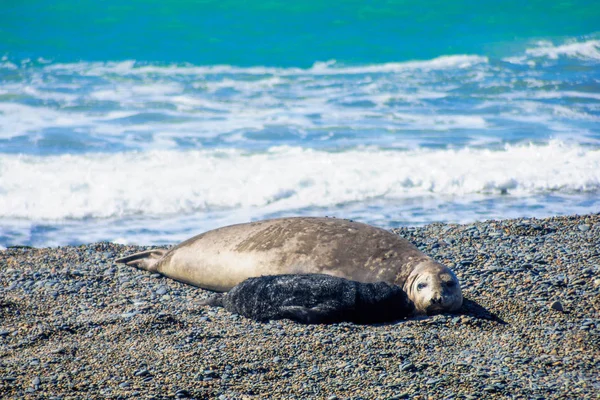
[
  {"x": 559, "y": 94},
  {"x": 252, "y": 107},
  {"x": 439, "y": 122},
  {"x": 439, "y": 63},
  {"x": 589, "y": 49},
  {"x": 284, "y": 178},
  {"x": 19, "y": 119},
  {"x": 145, "y": 106},
  {"x": 132, "y": 93},
  {"x": 331, "y": 67},
  {"x": 8, "y": 65}
]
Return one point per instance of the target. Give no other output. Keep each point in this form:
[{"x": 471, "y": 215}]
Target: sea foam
[
  {"x": 158, "y": 183},
  {"x": 589, "y": 49}
]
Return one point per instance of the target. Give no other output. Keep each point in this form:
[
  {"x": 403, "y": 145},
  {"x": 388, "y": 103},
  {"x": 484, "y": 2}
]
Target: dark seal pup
[{"x": 315, "y": 299}]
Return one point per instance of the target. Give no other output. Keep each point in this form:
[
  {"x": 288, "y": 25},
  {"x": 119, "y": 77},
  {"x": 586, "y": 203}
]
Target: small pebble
[
  {"x": 408, "y": 366},
  {"x": 161, "y": 290},
  {"x": 141, "y": 372},
  {"x": 404, "y": 395},
  {"x": 584, "y": 328},
  {"x": 129, "y": 314},
  {"x": 557, "y": 306}
]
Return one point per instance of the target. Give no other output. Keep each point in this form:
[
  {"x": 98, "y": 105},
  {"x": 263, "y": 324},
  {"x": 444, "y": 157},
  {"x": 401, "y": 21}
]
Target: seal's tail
[
  {"x": 215, "y": 301},
  {"x": 146, "y": 260}
]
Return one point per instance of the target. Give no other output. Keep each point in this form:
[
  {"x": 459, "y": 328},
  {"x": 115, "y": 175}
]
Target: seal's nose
[{"x": 436, "y": 299}]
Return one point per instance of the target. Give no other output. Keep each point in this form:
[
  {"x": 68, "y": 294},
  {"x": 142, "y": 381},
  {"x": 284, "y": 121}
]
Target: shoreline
[{"x": 75, "y": 324}]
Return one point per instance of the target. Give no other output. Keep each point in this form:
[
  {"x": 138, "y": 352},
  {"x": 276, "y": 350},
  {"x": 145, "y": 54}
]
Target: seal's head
[{"x": 433, "y": 288}]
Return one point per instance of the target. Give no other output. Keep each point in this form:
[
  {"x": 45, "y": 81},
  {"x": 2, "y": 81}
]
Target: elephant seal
[
  {"x": 315, "y": 299},
  {"x": 220, "y": 259}
]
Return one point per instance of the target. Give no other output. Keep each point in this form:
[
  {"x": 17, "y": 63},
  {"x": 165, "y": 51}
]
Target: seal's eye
[
  {"x": 450, "y": 283},
  {"x": 421, "y": 286}
]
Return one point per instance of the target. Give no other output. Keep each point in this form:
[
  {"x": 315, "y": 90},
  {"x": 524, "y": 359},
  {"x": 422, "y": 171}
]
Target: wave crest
[{"x": 284, "y": 178}]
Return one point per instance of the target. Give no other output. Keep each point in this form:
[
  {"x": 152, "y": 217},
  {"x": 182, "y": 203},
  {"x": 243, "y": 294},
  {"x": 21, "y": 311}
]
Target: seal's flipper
[
  {"x": 146, "y": 260},
  {"x": 316, "y": 315},
  {"x": 215, "y": 301},
  {"x": 298, "y": 313}
]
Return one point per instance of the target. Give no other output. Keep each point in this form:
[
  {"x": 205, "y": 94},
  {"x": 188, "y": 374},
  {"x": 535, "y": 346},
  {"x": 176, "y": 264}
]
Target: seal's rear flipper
[{"x": 145, "y": 260}]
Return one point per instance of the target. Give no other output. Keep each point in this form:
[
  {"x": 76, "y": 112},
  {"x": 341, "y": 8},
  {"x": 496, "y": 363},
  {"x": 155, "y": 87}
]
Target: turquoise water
[
  {"x": 150, "y": 121},
  {"x": 283, "y": 33}
]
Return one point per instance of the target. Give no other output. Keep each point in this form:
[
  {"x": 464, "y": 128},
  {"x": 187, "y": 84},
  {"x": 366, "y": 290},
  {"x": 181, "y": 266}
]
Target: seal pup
[
  {"x": 315, "y": 299},
  {"x": 220, "y": 259}
]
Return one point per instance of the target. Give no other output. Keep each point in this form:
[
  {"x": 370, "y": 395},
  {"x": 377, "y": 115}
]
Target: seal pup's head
[{"x": 433, "y": 288}]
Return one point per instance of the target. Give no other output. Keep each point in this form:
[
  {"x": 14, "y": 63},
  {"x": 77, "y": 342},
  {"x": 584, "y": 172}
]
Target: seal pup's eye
[
  {"x": 450, "y": 283},
  {"x": 421, "y": 286}
]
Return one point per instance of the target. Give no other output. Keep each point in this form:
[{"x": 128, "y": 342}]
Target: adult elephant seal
[{"x": 220, "y": 259}]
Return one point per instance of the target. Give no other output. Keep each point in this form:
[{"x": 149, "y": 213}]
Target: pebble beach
[{"x": 73, "y": 324}]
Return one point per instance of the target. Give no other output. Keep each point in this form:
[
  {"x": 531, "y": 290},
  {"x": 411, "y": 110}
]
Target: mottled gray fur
[{"x": 315, "y": 299}]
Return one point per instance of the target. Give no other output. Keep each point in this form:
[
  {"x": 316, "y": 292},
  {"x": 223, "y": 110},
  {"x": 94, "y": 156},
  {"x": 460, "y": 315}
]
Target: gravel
[{"x": 73, "y": 324}]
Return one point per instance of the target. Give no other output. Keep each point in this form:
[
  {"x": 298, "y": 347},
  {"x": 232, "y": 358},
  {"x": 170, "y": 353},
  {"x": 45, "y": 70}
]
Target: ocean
[{"x": 147, "y": 122}]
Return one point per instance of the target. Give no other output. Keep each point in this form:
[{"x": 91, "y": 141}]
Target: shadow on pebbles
[{"x": 73, "y": 324}]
